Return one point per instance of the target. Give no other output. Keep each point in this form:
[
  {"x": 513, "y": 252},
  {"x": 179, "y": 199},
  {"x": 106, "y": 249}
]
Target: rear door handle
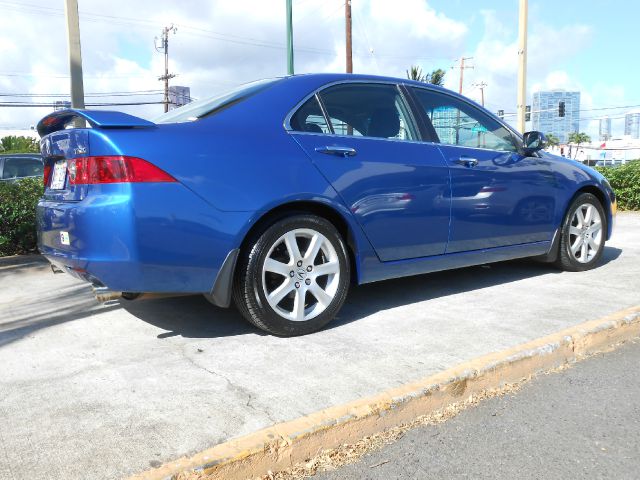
[
  {"x": 338, "y": 151},
  {"x": 466, "y": 161}
]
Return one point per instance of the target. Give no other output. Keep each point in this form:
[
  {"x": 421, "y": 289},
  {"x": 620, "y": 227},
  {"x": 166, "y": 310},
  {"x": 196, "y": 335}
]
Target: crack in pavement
[{"x": 237, "y": 389}]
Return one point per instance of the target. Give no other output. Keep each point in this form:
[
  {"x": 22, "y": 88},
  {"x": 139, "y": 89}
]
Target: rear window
[
  {"x": 212, "y": 105},
  {"x": 17, "y": 167}
]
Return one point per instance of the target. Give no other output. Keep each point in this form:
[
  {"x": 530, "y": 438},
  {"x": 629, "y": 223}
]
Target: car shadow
[{"x": 195, "y": 317}]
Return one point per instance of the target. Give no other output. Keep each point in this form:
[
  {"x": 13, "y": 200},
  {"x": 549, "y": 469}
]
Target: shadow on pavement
[{"x": 195, "y": 317}]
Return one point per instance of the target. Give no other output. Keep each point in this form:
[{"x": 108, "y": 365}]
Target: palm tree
[
  {"x": 415, "y": 73},
  {"x": 436, "y": 77},
  {"x": 578, "y": 138},
  {"x": 552, "y": 140}
]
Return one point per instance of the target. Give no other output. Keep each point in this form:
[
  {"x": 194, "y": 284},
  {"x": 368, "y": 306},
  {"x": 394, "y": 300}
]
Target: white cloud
[{"x": 221, "y": 43}]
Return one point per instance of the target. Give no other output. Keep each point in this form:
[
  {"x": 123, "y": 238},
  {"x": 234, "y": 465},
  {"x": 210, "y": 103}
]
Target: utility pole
[
  {"x": 462, "y": 68},
  {"x": 164, "y": 46},
  {"x": 347, "y": 18},
  {"x": 481, "y": 86},
  {"x": 522, "y": 64},
  {"x": 75, "y": 54},
  {"x": 289, "y": 38}
]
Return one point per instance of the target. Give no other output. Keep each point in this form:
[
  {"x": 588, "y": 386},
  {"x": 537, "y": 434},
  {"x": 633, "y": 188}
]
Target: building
[
  {"x": 632, "y": 124},
  {"x": 61, "y": 105},
  {"x": 179, "y": 96},
  {"x": 545, "y": 113},
  {"x": 605, "y": 129}
]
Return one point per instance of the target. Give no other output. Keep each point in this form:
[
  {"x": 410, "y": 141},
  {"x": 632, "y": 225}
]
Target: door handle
[
  {"x": 338, "y": 151},
  {"x": 466, "y": 162}
]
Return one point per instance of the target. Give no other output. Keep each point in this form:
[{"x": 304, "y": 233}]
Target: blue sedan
[{"x": 281, "y": 193}]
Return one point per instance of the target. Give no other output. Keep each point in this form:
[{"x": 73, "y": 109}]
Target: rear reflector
[{"x": 114, "y": 169}]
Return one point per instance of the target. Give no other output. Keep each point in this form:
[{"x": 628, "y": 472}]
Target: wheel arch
[
  {"x": 345, "y": 227},
  {"x": 602, "y": 198}
]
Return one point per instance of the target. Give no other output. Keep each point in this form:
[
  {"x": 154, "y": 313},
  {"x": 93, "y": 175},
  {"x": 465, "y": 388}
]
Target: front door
[{"x": 499, "y": 197}]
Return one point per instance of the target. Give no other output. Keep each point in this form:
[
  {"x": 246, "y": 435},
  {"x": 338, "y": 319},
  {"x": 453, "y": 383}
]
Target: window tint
[
  {"x": 309, "y": 118},
  {"x": 371, "y": 110},
  {"x": 22, "y": 167},
  {"x": 458, "y": 123}
]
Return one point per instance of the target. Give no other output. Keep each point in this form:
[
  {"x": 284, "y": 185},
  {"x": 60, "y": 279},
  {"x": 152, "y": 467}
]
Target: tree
[
  {"x": 415, "y": 73},
  {"x": 13, "y": 144},
  {"x": 552, "y": 140},
  {"x": 436, "y": 77},
  {"x": 578, "y": 138}
]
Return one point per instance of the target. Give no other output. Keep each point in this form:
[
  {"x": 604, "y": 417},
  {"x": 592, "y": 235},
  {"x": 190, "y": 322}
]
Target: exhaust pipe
[{"x": 103, "y": 294}]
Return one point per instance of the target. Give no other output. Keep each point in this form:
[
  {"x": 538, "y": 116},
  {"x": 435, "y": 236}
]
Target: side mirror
[{"x": 532, "y": 142}]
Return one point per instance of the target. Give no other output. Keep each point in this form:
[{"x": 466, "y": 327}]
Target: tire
[
  {"x": 276, "y": 272},
  {"x": 583, "y": 234}
]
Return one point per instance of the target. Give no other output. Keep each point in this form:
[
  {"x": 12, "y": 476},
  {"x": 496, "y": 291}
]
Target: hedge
[
  {"x": 18, "y": 215},
  {"x": 625, "y": 181}
]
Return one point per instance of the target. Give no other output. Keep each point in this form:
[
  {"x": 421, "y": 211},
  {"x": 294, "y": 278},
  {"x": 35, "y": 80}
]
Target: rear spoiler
[{"x": 96, "y": 118}]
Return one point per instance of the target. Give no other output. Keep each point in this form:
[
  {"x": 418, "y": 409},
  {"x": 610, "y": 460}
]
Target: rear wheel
[
  {"x": 294, "y": 277},
  {"x": 583, "y": 234}
]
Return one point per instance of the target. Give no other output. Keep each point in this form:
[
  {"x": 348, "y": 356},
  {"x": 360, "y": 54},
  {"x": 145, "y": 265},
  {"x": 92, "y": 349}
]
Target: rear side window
[
  {"x": 21, "y": 167},
  {"x": 354, "y": 109},
  {"x": 459, "y": 123},
  {"x": 369, "y": 110},
  {"x": 309, "y": 118}
]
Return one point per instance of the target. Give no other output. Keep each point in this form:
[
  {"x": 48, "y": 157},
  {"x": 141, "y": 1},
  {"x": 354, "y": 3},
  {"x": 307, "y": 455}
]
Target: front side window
[
  {"x": 363, "y": 110},
  {"x": 458, "y": 123}
]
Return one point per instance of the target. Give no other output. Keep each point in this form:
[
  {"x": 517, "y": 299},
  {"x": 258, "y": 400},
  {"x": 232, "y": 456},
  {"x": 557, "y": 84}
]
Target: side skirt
[{"x": 373, "y": 270}]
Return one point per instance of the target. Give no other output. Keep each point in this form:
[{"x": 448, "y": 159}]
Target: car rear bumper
[{"x": 149, "y": 238}]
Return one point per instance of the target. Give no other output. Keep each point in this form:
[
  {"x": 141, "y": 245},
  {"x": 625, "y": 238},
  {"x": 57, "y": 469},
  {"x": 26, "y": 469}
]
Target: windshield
[{"x": 208, "y": 106}]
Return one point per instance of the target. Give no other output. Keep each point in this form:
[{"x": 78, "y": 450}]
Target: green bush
[
  {"x": 13, "y": 144},
  {"x": 18, "y": 215},
  {"x": 625, "y": 181}
]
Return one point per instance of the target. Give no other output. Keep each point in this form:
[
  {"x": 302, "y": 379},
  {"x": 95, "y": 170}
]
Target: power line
[
  {"x": 51, "y": 105},
  {"x": 66, "y": 95}
]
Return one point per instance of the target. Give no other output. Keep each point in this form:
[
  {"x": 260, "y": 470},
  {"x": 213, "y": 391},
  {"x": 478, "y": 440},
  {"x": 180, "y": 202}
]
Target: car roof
[
  {"x": 335, "y": 77},
  {"x": 21, "y": 155}
]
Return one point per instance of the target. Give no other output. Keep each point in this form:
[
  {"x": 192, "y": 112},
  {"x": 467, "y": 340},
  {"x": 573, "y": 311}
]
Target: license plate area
[{"x": 59, "y": 176}]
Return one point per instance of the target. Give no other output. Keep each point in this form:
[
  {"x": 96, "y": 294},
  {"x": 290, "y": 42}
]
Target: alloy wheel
[
  {"x": 585, "y": 233},
  {"x": 301, "y": 274}
]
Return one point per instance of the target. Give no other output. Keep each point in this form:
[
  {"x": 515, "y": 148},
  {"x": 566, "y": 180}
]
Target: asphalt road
[
  {"x": 583, "y": 422},
  {"x": 116, "y": 389}
]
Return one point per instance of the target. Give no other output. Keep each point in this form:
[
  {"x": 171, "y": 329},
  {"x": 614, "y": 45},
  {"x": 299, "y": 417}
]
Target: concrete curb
[{"x": 280, "y": 446}]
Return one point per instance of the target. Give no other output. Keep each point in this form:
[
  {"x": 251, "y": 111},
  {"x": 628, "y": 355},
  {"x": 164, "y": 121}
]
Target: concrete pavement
[
  {"x": 118, "y": 388},
  {"x": 583, "y": 422}
]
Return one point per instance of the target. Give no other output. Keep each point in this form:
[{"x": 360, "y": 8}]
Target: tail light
[
  {"x": 46, "y": 173},
  {"x": 114, "y": 169}
]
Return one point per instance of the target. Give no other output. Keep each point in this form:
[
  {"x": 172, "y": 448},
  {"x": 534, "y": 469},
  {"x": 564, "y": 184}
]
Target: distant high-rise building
[
  {"x": 179, "y": 96},
  {"x": 545, "y": 113},
  {"x": 632, "y": 124},
  {"x": 605, "y": 129}
]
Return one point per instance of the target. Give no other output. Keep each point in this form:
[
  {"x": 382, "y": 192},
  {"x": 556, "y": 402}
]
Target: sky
[{"x": 576, "y": 45}]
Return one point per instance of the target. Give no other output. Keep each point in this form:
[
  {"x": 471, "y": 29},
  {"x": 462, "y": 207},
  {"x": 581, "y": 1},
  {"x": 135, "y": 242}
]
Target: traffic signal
[
  {"x": 527, "y": 113},
  {"x": 561, "y": 109},
  {"x": 501, "y": 114}
]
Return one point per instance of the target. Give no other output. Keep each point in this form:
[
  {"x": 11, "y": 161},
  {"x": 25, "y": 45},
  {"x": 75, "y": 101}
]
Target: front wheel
[
  {"x": 583, "y": 234},
  {"x": 294, "y": 277}
]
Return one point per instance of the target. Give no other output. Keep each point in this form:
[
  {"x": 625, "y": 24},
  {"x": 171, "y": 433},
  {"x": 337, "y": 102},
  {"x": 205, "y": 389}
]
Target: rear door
[
  {"x": 363, "y": 139},
  {"x": 499, "y": 197}
]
